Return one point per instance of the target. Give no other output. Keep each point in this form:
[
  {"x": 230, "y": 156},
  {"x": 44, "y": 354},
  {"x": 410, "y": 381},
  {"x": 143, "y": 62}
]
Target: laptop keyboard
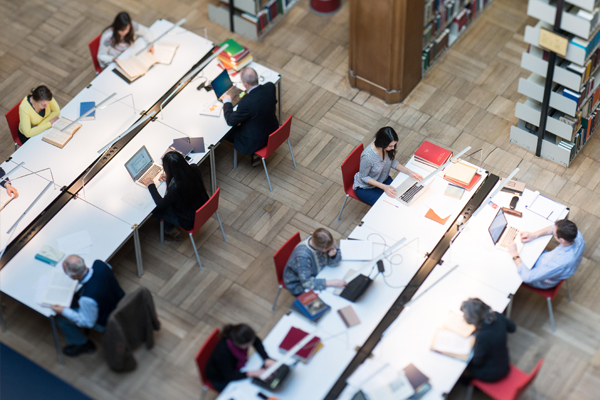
[
  {"x": 509, "y": 236},
  {"x": 151, "y": 173},
  {"x": 411, "y": 192}
]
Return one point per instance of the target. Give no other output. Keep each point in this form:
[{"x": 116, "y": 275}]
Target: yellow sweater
[{"x": 31, "y": 123}]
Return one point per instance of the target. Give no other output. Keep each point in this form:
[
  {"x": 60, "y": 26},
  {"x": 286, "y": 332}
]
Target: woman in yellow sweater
[{"x": 37, "y": 112}]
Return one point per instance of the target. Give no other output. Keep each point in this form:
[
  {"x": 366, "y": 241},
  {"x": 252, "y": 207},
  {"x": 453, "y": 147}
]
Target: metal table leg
[
  {"x": 138, "y": 250},
  {"x": 213, "y": 169},
  {"x": 56, "y": 342}
]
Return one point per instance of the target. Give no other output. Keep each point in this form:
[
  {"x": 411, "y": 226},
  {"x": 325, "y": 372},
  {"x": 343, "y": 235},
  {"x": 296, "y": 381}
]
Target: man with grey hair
[
  {"x": 254, "y": 119},
  {"x": 96, "y": 299}
]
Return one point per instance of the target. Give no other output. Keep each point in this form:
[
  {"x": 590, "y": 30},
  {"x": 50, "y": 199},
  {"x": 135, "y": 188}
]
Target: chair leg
[
  {"x": 204, "y": 391},
  {"x": 276, "y": 298},
  {"x": 234, "y": 158},
  {"x": 221, "y": 225},
  {"x": 551, "y": 314},
  {"x": 343, "y": 205},
  {"x": 470, "y": 389},
  {"x": 195, "y": 250},
  {"x": 568, "y": 290},
  {"x": 162, "y": 232},
  {"x": 267, "y": 172},
  {"x": 509, "y": 308},
  {"x": 15, "y": 147},
  {"x": 292, "y": 153}
]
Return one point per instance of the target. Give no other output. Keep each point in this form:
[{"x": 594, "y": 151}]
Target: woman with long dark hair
[
  {"x": 185, "y": 194},
  {"x": 119, "y": 36},
  {"x": 231, "y": 354},
  {"x": 37, "y": 112},
  {"x": 373, "y": 177}
]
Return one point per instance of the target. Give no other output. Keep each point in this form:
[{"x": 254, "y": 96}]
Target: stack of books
[
  {"x": 431, "y": 155},
  {"x": 462, "y": 175},
  {"x": 235, "y": 56},
  {"x": 292, "y": 338},
  {"x": 310, "y": 306}
]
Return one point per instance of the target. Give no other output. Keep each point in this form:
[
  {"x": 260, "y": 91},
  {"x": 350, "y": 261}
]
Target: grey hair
[
  {"x": 74, "y": 265},
  {"x": 477, "y": 312},
  {"x": 250, "y": 76}
]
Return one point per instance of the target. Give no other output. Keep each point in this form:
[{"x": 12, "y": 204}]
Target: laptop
[
  {"x": 411, "y": 189},
  {"x": 276, "y": 380},
  {"x": 359, "y": 285},
  {"x": 223, "y": 85},
  {"x": 141, "y": 167},
  {"x": 502, "y": 234}
]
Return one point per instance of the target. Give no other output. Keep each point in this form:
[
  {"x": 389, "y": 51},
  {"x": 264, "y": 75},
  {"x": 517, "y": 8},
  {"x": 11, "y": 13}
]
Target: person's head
[
  {"x": 322, "y": 240},
  {"x": 477, "y": 312},
  {"x": 386, "y": 138},
  {"x": 249, "y": 78},
  {"x": 41, "y": 96},
  {"x": 122, "y": 28},
  {"x": 565, "y": 231},
  {"x": 74, "y": 267},
  {"x": 241, "y": 335}
]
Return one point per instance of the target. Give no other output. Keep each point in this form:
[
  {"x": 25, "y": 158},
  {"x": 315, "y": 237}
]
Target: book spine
[{"x": 45, "y": 259}]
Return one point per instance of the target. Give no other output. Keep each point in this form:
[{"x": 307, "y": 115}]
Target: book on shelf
[
  {"x": 57, "y": 136},
  {"x": 137, "y": 66},
  {"x": 431, "y": 154},
  {"x": 460, "y": 172},
  {"x": 292, "y": 338},
  {"x": 452, "y": 344},
  {"x": 454, "y": 191},
  {"x": 60, "y": 289},
  {"x": 49, "y": 255},
  {"x": 86, "y": 106},
  {"x": 310, "y": 305}
]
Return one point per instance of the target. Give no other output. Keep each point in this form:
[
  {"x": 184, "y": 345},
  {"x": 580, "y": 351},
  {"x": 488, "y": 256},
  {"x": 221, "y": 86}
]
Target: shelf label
[{"x": 553, "y": 41}]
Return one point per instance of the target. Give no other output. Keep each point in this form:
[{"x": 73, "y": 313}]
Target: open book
[
  {"x": 60, "y": 289},
  {"x": 57, "y": 137},
  {"x": 136, "y": 66}
]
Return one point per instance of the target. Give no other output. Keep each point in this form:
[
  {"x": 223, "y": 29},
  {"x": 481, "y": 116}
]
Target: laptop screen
[
  {"x": 497, "y": 226},
  {"x": 221, "y": 83},
  {"x": 138, "y": 163}
]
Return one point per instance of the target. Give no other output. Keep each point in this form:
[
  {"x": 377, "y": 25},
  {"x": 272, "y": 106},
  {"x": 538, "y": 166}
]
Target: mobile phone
[{"x": 380, "y": 266}]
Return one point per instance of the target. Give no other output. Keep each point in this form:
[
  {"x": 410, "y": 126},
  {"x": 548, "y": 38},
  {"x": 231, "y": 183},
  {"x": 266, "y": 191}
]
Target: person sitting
[
  {"x": 556, "y": 265},
  {"x": 230, "y": 355},
  {"x": 119, "y": 36},
  {"x": 373, "y": 177},
  {"x": 490, "y": 361},
  {"x": 255, "y": 119},
  {"x": 185, "y": 194},
  {"x": 98, "y": 297},
  {"x": 309, "y": 257},
  {"x": 5, "y": 183},
  {"x": 37, "y": 112}
]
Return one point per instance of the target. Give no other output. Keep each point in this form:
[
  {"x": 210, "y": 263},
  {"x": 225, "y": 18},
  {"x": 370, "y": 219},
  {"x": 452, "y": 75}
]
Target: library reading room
[{"x": 299, "y": 199}]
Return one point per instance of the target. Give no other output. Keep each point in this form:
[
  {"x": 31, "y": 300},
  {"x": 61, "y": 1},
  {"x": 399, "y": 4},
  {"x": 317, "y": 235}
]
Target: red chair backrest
[
  {"x": 530, "y": 377},
  {"x": 350, "y": 167},
  {"x": 206, "y": 211},
  {"x": 551, "y": 293},
  {"x": 279, "y": 136},
  {"x": 204, "y": 354},
  {"x": 12, "y": 117},
  {"x": 283, "y": 254},
  {"x": 94, "y": 46}
]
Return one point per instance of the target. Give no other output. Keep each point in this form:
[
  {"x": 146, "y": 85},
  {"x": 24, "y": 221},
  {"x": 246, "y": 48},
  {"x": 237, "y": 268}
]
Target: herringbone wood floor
[{"x": 467, "y": 99}]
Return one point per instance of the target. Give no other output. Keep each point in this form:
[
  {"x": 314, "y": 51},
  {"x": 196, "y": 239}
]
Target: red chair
[
  {"x": 12, "y": 117},
  {"x": 94, "y": 45},
  {"x": 509, "y": 388},
  {"x": 550, "y": 294},
  {"x": 202, "y": 215},
  {"x": 276, "y": 139},
  {"x": 281, "y": 258},
  {"x": 202, "y": 358},
  {"x": 350, "y": 167}
]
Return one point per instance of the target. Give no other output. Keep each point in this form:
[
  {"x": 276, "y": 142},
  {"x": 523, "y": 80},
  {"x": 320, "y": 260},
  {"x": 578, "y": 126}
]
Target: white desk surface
[{"x": 19, "y": 277}]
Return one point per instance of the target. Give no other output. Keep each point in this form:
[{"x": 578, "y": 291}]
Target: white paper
[
  {"x": 139, "y": 199},
  {"x": 59, "y": 290},
  {"x": 76, "y": 243},
  {"x": 356, "y": 250},
  {"x": 212, "y": 109},
  {"x": 546, "y": 208},
  {"x": 450, "y": 342}
]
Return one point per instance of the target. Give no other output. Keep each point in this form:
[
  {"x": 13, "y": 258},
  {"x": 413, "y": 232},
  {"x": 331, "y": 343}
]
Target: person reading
[
  {"x": 231, "y": 354},
  {"x": 556, "y": 265},
  {"x": 37, "y": 112},
  {"x": 5, "y": 183},
  {"x": 119, "y": 36},
  {"x": 373, "y": 178},
  {"x": 309, "y": 257}
]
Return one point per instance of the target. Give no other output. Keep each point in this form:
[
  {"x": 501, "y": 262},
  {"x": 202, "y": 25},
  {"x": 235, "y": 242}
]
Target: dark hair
[
  {"x": 477, "y": 312},
  {"x": 322, "y": 238},
  {"x": 186, "y": 178},
  {"x": 566, "y": 229},
  {"x": 384, "y": 137},
  {"x": 122, "y": 20},
  {"x": 41, "y": 93},
  {"x": 240, "y": 334}
]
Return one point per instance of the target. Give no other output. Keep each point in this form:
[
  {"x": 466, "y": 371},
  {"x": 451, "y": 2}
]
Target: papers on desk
[
  {"x": 139, "y": 199},
  {"x": 452, "y": 344},
  {"x": 77, "y": 243},
  {"x": 546, "y": 208},
  {"x": 211, "y": 109},
  {"x": 356, "y": 250},
  {"x": 59, "y": 290},
  {"x": 388, "y": 384}
]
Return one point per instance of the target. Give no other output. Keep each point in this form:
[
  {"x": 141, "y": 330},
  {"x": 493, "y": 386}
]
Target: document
[
  {"x": 138, "y": 198},
  {"x": 452, "y": 344},
  {"x": 77, "y": 243},
  {"x": 212, "y": 109},
  {"x": 546, "y": 208},
  {"x": 59, "y": 290},
  {"x": 356, "y": 250}
]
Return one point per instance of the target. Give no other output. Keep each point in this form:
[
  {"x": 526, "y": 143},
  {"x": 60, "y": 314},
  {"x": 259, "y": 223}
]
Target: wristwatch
[{"x": 515, "y": 258}]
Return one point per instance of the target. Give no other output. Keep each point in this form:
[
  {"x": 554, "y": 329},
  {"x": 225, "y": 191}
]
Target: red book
[
  {"x": 293, "y": 337},
  {"x": 432, "y": 155},
  {"x": 466, "y": 187}
]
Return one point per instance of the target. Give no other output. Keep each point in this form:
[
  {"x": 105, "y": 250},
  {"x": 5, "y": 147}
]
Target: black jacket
[
  {"x": 256, "y": 118},
  {"x": 490, "y": 361}
]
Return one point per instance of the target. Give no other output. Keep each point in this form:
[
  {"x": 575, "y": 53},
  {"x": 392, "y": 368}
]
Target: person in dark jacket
[
  {"x": 185, "y": 194},
  {"x": 231, "y": 354},
  {"x": 255, "y": 119},
  {"x": 490, "y": 361}
]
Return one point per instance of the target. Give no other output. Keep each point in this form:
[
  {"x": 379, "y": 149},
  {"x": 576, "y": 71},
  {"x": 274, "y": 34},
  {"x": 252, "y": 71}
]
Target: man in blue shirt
[
  {"x": 556, "y": 265},
  {"x": 98, "y": 297}
]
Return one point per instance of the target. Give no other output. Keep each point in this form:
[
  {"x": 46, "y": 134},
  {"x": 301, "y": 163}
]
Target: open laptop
[
  {"x": 141, "y": 167},
  {"x": 223, "y": 85},
  {"x": 502, "y": 234},
  {"x": 411, "y": 189}
]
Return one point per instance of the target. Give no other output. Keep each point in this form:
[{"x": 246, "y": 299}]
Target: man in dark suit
[{"x": 254, "y": 120}]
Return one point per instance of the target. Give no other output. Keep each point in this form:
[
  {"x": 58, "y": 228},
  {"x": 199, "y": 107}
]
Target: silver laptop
[
  {"x": 411, "y": 189},
  {"x": 141, "y": 167},
  {"x": 502, "y": 234}
]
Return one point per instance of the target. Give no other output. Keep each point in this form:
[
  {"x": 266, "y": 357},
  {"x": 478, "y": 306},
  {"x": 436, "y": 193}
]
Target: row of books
[
  {"x": 435, "y": 48},
  {"x": 267, "y": 15},
  {"x": 235, "y": 56},
  {"x": 476, "y": 6},
  {"x": 439, "y": 21},
  {"x": 588, "y": 45}
]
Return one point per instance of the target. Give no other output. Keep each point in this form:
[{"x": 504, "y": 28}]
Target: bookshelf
[
  {"x": 572, "y": 116},
  {"x": 251, "y": 18}
]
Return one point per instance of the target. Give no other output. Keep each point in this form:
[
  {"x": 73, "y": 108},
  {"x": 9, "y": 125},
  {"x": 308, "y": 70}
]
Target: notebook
[
  {"x": 86, "y": 106},
  {"x": 460, "y": 172}
]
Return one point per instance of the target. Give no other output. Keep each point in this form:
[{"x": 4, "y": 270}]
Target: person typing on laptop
[
  {"x": 373, "y": 177},
  {"x": 5, "y": 183},
  {"x": 556, "y": 265}
]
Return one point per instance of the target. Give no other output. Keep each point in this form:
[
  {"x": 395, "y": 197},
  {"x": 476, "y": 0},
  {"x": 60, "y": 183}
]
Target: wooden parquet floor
[{"x": 468, "y": 98}]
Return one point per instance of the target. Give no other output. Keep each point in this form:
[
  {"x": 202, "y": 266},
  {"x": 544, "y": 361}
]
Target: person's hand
[
  {"x": 148, "y": 181},
  {"x": 225, "y": 97},
  {"x": 340, "y": 283},
  {"x": 512, "y": 249},
  {"x": 162, "y": 177},
  {"x": 526, "y": 236},
  {"x": 256, "y": 373},
  {"x": 53, "y": 120},
  {"x": 57, "y": 309},
  {"x": 416, "y": 176},
  {"x": 151, "y": 49},
  {"x": 269, "y": 362},
  {"x": 12, "y": 192},
  {"x": 390, "y": 191},
  {"x": 332, "y": 252}
]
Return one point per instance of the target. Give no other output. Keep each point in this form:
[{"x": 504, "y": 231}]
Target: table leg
[
  {"x": 138, "y": 251},
  {"x": 279, "y": 98},
  {"x": 213, "y": 169},
  {"x": 1, "y": 316},
  {"x": 56, "y": 342}
]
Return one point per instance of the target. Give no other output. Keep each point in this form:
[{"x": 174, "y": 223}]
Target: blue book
[{"x": 86, "y": 106}]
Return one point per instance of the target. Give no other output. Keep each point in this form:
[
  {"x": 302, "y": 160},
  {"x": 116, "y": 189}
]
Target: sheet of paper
[
  {"x": 546, "y": 208},
  {"x": 76, "y": 243},
  {"x": 138, "y": 198},
  {"x": 449, "y": 342},
  {"x": 356, "y": 250},
  {"x": 212, "y": 109}
]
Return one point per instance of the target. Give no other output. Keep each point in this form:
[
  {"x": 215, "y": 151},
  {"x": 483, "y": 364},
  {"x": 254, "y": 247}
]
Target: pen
[{"x": 392, "y": 204}]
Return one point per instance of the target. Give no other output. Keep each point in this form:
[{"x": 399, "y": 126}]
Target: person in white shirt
[{"x": 119, "y": 36}]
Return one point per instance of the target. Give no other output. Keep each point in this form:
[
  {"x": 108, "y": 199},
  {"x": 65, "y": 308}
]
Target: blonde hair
[{"x": 322, "y": 238}]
